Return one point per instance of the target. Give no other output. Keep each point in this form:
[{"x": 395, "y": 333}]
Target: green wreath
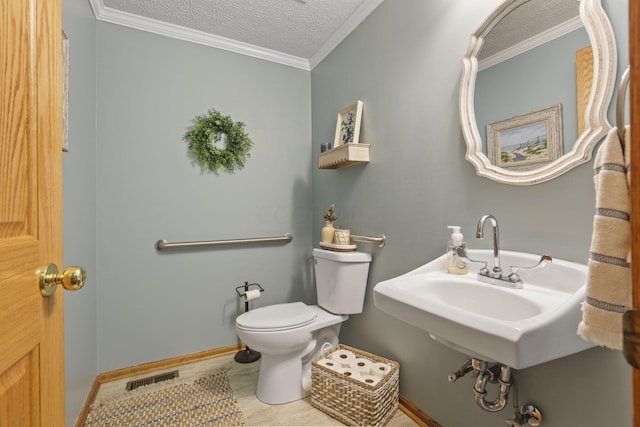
[{"x": 208, "y": 131}]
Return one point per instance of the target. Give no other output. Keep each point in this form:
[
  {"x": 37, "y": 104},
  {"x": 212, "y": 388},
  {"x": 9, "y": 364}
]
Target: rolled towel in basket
[
  {"x": 345, "y": 357},
  {"x": 348, "y": 372},
  {"x": 362, "y": 365},
  {"x": 372, "y": 380},
  {"x": 380, "y": 369},
  {"x": 330, "y": 364}
]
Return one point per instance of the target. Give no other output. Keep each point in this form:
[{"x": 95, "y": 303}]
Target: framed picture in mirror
[
  {"x": 348, "y": 125},
  {"x": 526, "y": 141}
]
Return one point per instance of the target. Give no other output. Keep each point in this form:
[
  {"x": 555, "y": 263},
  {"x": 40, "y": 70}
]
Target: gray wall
[
  {"x": 79, "y": 181},
  {"x": 404, "y": 63},
  {"x": 135, "y": 94},
  {"x": 154, "y": 305}
]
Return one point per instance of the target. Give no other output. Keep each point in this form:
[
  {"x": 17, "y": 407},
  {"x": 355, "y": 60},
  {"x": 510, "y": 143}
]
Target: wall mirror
[{"x": 536, "y": 84}]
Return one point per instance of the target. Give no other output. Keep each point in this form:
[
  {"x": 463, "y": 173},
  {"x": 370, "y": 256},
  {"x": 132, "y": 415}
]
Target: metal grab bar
[
  {"x": 379, "y": 240},
  {"x": 622, "y": 92},
  {"x": 162, "y": 245}
]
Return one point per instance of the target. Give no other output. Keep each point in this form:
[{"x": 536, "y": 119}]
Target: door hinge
[{"x": 631, "y": 337}]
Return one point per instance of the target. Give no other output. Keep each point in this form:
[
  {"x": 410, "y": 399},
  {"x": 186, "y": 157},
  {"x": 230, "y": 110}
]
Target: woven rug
[{"x": 206, "y": 401}]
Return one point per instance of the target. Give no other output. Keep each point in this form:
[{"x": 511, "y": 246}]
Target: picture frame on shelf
[
  {"x": 348, "y": 125},
  {"x": 526, "y": 141}
]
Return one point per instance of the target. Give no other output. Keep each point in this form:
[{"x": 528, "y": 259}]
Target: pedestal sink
[{"x": 516, "y": 327}]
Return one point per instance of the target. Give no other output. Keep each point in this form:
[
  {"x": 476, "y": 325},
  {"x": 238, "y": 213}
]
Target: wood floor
[{"x": 243, "y": 379}]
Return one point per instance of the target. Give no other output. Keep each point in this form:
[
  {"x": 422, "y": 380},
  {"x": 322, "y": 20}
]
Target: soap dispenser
[{"x": 455, "y": 263}]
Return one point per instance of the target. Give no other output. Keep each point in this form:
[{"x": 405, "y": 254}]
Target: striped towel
[{"x": 608, "y": 293}]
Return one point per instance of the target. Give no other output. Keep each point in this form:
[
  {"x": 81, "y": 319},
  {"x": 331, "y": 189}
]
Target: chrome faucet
[
  {"x": 496, "y": 272},
  {"x": 495, "y": 276}
]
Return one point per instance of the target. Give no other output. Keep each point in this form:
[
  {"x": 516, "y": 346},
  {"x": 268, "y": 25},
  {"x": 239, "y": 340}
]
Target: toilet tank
[{"x": 341, "y": 280}]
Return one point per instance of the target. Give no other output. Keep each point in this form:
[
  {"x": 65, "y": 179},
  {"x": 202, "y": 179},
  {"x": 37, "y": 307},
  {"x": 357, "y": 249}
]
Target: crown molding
[
  {"x": 113, "y": 16},
  {"x": 531, "y": 43},
  {"x": 345, "y": 29}
]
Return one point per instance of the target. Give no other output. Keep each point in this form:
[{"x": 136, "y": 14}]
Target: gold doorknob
[{"x": 72, "y": 279}]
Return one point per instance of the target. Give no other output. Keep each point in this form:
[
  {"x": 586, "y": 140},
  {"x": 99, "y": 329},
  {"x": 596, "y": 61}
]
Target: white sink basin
[{"x": 517, "y": 327}]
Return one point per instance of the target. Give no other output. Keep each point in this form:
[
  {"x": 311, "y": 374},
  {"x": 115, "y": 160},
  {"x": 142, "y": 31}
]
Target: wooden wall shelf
[{"x": 343, "y": 156}]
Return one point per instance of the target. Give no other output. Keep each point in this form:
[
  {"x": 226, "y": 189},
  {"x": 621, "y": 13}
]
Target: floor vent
[{"x": 132, "y": 385}]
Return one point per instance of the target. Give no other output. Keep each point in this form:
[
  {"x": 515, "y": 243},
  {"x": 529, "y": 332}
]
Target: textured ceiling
[
  {"x": 527, "y": 21},
  {"x": 301, "y": 29},
  {"x": 299, "y": 33}
]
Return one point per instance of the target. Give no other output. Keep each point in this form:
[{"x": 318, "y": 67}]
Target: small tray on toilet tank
[
  {"x": 355, "y": 387},
  {"x": 338, "y": 248}
]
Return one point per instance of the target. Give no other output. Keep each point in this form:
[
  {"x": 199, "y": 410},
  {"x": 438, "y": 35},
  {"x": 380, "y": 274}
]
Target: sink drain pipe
[
  {"x": 489, "y": 375},
  {"x": 501, "y": 374}
]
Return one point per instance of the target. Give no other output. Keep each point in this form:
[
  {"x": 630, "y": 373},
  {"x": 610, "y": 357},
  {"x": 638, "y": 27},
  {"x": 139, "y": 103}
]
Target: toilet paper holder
[
  {"x": 247, "y": 355},
  {"x": 246, "y": 288}
]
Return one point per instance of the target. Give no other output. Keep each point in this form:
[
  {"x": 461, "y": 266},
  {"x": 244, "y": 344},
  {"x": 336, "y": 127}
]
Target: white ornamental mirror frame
[{"x": 596, "y": 123}]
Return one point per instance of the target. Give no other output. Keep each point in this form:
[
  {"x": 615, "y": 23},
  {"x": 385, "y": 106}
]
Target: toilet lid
[{"x": 277, "y": 317}]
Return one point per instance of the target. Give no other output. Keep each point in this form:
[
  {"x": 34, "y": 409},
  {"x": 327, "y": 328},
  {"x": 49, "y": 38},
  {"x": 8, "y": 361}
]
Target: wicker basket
[{"x": 351, "y": 401}]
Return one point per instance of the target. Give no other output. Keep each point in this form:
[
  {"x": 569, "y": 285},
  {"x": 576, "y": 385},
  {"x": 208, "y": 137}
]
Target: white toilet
[{"x": 291, "y": 335}]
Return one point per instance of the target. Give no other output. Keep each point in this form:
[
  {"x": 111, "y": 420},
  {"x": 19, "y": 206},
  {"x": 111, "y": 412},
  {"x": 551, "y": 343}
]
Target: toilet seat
[{"x": 277, "y": 317}]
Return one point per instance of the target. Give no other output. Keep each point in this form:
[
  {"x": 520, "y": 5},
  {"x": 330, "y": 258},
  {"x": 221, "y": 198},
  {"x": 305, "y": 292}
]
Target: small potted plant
[{"x": 328, "y": 231}]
